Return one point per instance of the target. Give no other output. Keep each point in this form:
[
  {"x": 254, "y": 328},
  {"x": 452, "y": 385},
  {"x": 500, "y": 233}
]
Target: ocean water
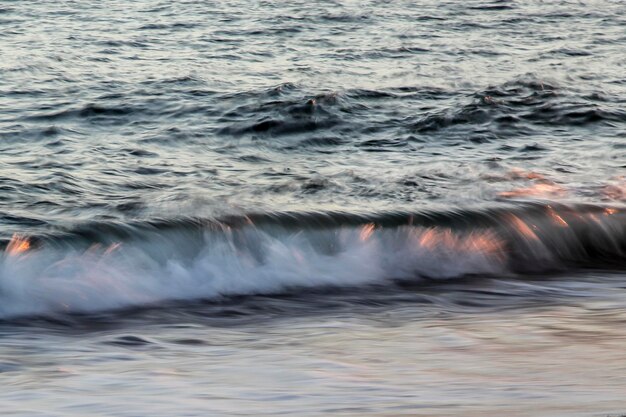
[{"x": 312, "y": 208}]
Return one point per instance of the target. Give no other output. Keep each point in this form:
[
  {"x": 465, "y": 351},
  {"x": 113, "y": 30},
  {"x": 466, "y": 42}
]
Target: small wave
[
  {"x": 288, "y": 110},
  {"x": 105, "y": 266},
  {"x": 281, "y": 113},
  {"x": 493, "y": 7},
  {"x": 518, "y": 105},
  {"x": 87, "y": 111},
  {"x": 169, "y": 26}
]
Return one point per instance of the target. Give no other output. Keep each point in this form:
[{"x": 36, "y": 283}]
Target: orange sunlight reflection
[
  {"x": 536, "y": 190},
  {"x": 557, "y": 219},
  {"x": 367, "y": 231},
  {"x": 481, "y": 242},
  {"x": 522, "y": 227},
  {"x": 18, "y": 244}
]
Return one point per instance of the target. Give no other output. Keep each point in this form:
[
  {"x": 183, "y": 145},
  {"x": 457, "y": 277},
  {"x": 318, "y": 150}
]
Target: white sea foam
[{"x": 246, "y": 261}]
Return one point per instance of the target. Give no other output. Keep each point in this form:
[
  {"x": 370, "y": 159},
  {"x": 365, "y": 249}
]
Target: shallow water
[
  {"x": 313, "y": 208},
  {"x": 519, "y": 348}
]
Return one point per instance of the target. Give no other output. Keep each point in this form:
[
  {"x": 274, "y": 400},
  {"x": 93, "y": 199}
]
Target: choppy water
[{"x": 312, "y": 208}]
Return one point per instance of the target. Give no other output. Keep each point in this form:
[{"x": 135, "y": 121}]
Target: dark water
[{"x": 312, "y": 208}]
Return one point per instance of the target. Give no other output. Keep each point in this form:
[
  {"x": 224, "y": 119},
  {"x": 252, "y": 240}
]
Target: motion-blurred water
[{"x": 312, "y": 208}]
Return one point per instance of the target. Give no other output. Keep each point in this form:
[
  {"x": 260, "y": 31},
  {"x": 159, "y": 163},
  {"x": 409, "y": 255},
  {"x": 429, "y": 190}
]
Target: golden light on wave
[
  {"x": 518, "y": 173},
  {"x": 429, "y": 238},
  {"x": 367, "y": 231},
  {"x": 557, "y": 218},
  {"x": 484, "y": 242},
  {"x": 522, "y": 227},
  {"x": 18, "y": 244},
  {"x": 536, "y": 190}
]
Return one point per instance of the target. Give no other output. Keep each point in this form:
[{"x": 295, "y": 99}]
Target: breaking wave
[{"x": 105, "y": 266}]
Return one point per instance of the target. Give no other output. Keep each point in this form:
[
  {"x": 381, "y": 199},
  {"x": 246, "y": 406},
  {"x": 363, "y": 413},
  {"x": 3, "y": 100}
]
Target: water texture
[{"x": 312, "y": 208}]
